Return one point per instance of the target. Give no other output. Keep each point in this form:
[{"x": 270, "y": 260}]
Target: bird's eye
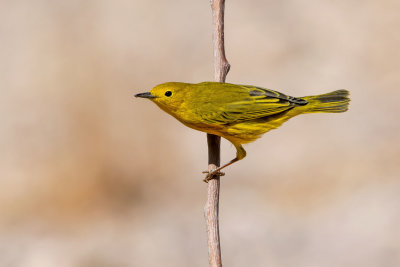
[{"x": 168, "y": 93}]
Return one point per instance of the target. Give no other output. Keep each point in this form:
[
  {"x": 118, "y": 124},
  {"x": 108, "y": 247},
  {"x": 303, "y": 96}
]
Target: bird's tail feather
[{"x": 334, "y": 102}]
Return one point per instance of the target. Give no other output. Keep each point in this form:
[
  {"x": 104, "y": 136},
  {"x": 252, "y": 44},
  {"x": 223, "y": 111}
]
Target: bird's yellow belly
[
  {"x": 239, "y": 133},
  {"x": 245, "y": 131},
  {"x": 249, "y": 131}
]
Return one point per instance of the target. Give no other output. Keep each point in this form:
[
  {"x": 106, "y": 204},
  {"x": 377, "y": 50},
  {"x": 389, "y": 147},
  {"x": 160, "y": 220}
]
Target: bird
[{"x": 239, "y": 113}]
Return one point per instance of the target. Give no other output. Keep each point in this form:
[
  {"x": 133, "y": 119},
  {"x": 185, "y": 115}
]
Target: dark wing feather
[{"x": 258, "y": 91}]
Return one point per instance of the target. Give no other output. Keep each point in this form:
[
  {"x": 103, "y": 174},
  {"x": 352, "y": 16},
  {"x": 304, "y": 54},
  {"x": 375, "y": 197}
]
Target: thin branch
[
  {"x": 221, "y": 65},
  {"x": 211, "y": 209}
]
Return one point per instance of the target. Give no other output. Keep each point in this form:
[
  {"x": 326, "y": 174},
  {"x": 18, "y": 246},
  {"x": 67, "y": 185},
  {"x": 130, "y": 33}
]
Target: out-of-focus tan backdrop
[{"x": 91, "y": 176}]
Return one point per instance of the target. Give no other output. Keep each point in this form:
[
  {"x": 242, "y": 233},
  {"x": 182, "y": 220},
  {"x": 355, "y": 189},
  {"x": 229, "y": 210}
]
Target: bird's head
[{"x": 168, "y": 96}]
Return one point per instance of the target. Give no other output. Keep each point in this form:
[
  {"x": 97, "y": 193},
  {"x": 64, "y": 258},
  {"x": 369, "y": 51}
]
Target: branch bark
[{"x": 211, "y": 209}]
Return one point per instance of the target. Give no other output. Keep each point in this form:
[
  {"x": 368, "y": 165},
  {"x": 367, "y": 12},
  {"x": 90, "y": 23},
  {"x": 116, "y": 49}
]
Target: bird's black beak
[{"x": 145, "y": 95}]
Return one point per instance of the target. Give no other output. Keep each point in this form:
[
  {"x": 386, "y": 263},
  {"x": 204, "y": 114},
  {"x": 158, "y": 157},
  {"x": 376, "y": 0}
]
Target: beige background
[{"x": 90, "y": 176}]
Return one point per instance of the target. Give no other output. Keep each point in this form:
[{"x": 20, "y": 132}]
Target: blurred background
[{"x": 91, "y": 176}]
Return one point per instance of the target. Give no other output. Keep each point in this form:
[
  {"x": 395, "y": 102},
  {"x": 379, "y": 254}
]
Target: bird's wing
[{"x": 257, "y": 103}]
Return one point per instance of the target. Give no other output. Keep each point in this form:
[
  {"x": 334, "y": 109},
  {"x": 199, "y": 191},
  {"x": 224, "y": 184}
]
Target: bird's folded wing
[{"x": 260, "y": 103}]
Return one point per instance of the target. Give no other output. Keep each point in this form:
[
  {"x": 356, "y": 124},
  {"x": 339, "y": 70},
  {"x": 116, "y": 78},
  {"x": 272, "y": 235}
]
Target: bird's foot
[{"x": 212, "y": 175}]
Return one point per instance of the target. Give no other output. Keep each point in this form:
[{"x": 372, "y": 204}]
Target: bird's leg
[{"x": 240, "y": 154}]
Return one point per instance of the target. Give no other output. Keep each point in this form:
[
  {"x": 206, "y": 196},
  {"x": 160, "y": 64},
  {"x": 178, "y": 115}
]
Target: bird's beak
[{"x": 145, "y": 95}]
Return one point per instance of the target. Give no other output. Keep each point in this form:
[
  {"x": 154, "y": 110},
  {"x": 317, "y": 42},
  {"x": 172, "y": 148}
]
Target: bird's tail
[{"x": 334, "y": 102}]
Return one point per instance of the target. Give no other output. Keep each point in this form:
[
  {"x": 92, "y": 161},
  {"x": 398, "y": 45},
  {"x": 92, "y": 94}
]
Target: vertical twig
[{"x": 221, "y": 68}]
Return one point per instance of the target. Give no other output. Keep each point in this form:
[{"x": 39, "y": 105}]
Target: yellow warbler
[{"x": 239, "y": 113}]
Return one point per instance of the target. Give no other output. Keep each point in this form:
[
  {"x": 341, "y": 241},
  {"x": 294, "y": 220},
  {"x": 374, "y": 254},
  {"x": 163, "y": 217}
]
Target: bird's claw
[{"x": 212, "y": 175}]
